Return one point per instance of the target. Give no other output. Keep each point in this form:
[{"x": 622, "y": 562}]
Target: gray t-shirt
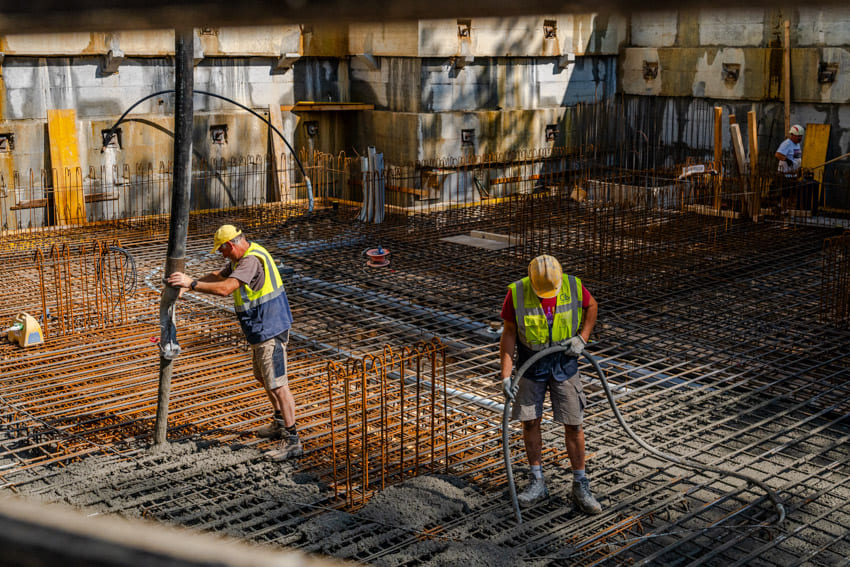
[{"x": 249, "y": 271}]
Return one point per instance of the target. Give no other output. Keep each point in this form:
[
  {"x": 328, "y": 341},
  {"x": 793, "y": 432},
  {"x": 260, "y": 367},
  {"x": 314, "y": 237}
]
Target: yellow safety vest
[
  {"x": 264, "y": 313},
  {"x": 533, "y": 329}
]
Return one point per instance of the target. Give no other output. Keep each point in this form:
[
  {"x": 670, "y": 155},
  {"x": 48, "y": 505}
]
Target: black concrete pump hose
[{"x": 777, "y": 504}]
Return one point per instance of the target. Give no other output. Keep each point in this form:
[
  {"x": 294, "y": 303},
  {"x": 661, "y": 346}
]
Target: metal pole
[{"x": 179, "y": 223}]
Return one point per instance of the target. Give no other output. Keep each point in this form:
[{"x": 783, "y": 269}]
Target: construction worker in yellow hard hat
[
  {"x": 548, "y": 308},
  {"x": 262, "y": 309}
]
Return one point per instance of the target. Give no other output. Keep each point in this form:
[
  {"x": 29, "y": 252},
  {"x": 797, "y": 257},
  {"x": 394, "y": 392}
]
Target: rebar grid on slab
[{"x": 708, "y": 328}]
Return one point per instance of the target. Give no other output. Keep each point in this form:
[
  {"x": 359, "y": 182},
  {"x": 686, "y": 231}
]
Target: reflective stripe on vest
[
  {"x": 533, "y": 329},
  {"x": 244, "y": 298}
]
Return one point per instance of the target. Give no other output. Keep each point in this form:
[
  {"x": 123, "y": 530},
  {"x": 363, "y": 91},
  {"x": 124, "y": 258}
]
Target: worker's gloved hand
[
  {"x": 506, "y": 388},
  {"x": 789, "y": 162},
  {"x": 577, "y": 345}
]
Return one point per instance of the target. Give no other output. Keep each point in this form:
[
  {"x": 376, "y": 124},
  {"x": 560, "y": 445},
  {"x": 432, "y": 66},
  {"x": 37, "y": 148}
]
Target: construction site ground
[{"x": 714, "y": 332}]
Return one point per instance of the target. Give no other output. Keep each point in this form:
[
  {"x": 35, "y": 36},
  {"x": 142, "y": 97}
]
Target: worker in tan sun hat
[
  {"x": 262, "y": 309},
  {"x": 548, "y": 308}
]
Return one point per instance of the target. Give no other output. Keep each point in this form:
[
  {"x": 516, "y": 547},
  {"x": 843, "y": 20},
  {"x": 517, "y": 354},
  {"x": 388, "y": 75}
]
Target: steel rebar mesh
[{"x": 709, "y": 328}]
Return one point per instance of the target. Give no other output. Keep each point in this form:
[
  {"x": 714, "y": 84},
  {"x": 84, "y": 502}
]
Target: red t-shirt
[{"x": 508, "y": 313}]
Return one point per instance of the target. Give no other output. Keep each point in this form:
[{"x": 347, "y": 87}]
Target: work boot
[
  {"x": 584, "y": 499},
  {"x": 273, "y": 430},
  {"x": 286, "y": 449},
  {"x": 535, "y": 492}
]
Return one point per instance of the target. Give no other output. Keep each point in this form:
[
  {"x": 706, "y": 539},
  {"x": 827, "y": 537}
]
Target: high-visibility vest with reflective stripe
[
  {"x": 533, "y": 329},
  {"x": 264, "y": 313}
]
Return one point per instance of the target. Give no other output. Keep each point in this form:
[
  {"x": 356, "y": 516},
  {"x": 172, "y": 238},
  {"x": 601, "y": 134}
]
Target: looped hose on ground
[{"x": 777, "y": 504}]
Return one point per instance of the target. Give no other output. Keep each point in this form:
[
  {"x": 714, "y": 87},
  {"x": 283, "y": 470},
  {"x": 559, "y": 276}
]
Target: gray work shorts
[
  {"x": 568, "y": 400},
  {"x": 270, "y": 361}
]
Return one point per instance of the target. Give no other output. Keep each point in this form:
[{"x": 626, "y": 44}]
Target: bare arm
[
  {"x": 507, "y": 344},
  {"x": 211, "y": 283},
  {"x": 589, "y": 319}
]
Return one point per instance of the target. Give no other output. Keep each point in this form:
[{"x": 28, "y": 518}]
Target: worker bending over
[
  {"x": 548, "y": 308},
  {"x": 262, "y": 309}
]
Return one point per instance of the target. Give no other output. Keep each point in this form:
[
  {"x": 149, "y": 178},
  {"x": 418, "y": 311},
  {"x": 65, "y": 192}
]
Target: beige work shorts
[
  {"x": 568, "y": 400},
  {"x": 270, "y": 361}
]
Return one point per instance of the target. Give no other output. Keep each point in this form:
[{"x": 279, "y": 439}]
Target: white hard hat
[{"x": 797, "y": 130}]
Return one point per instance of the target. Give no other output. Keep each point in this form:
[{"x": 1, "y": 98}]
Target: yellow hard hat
[
  {"x": 546, "y": 276},
  {"x": 225, "y": 233}
]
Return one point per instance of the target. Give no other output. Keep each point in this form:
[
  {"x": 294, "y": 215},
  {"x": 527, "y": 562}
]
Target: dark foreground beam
[
  {"x": 108, "y": 15},
  {"x": 34, "y": 534}
]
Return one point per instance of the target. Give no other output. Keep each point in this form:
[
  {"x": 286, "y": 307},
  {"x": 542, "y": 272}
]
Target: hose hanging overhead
[{"x": 243, "y": 107}]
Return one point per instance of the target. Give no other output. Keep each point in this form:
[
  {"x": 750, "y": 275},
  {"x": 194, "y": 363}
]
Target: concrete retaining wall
[
  {"x": 503, "y": 81},
  {"x": 737, "y": 54}
]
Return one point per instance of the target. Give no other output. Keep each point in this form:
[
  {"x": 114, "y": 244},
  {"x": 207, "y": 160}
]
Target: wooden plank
[
  {"x": 752, "y": 127},
  {"x": 7, "y": 194},
  {"x": 326, "y": 106},
  {"x": 279, "y": 155},
  {"x": 97, "y": 197},
  {"x": 786, "y": 75},
  {"x": 740, "y": 158},
  {"x": 31, "y": 204},
  {"x": 815, "y": 144},
  {"x": 68, "y": 202},
  {"x": 39, "y": 203},
  {"x": 753, "y": 130},
  {"x": 718, "y": 154},
  {"x": 738, "y": 146}
]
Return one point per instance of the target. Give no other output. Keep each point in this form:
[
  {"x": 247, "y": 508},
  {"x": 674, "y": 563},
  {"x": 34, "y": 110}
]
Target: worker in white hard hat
[
  {"x": 796, "y": 190},
  {"x": 789, "y": 153},
  {"x": 548, "y": 308},
  {"x": 262, "y": 309}
]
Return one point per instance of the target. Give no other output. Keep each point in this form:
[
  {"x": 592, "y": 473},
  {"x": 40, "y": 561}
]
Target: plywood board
[
  {"x": 69, "y": 206},
  {"x": 815, "y": 142}
]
